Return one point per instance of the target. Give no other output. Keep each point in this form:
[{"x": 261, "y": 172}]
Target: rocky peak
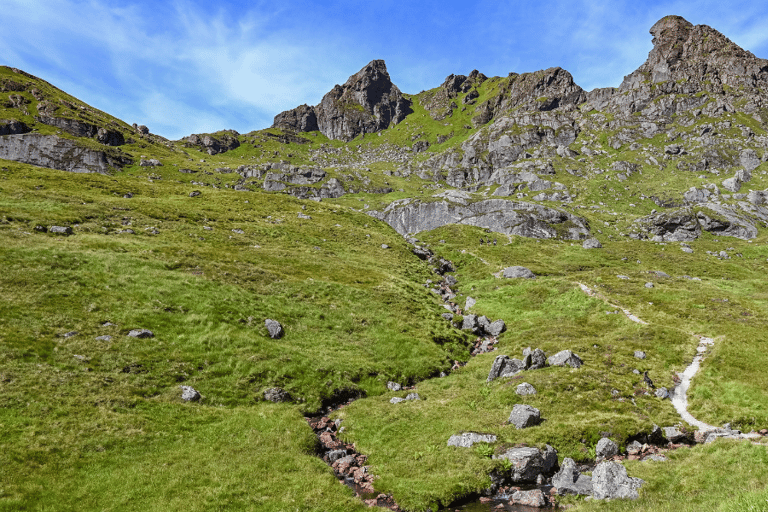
[
  {"x": 685, "y": 52},
  {"x": 367, "y": 102}
]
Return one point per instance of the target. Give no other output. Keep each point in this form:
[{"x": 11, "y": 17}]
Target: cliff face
[{"x": 367, "y": 102}]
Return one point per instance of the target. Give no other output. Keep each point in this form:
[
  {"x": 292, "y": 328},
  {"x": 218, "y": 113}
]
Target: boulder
[
  {"x": 497, "y": 327},
  {"x": 141, "y": 333},
  {"x": 529, "y": 463},
  {"x": 639, "y": 354},
  {"x": 749, "y": 159},
  {"x": 535, "y": 359},
  {"x": 518, "y": 272},
  {"x": 470, "y": 303},
  {"x": 524, "y": 416},
  {"x": 394, "y": 386},
  {"x": 503, "y": 366},
  {"x": 565, "y": 357},
  {"x": 606, "y": 449},
  {"x": 592, "y": 243},
  {"x": 189, "y": 394},
  {"x": 675, "y": 435},
  {"x": 570, "y": 481},
  {"x": 277, "y": 395},
  {"x": 525, "y": 389},
  {"x": 533, "y": 498},
  {"x": 469, "y": 323},
  {"x": 61, "y": 230},
  {"x": 274, "y": 328},
  {"x": 610, "y": 481},
  {"x": 467, "y": 439},
  {"x": 732, "y": 184},
  {"x": 483, "y": 324}
]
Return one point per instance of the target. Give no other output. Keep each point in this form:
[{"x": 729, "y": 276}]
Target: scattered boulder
[
  {"x": 503, "y": 366},
  {"x": 675, "y": 435},
  {"x": 61, "y": 230},
  {"x": 662, "y": 393},
  {"x": 525, "y": 389},
  {"x": 467, "y": 439},
  {"x": 529, "y": 463},
  {"x": 141, "y": 333},
  {"x": 592, "y": 243},
  {"x": 606, "y": 449},
  {"x": 189, "y": 394},
  {"x": 496, "y": 327},
  {"x": 524, "y": 416},
  {"x": 277, "y": 395},
  {"x": 409, "y": 397},
  {"x": 518, "y": 272},
  {"x": 274, "y": 328},
  {"x": 565, "y": 357},
  {"x": 610, "y": 481},
  {"x": 534, "y": 359},
  {"x": 469, "y": 303},
  {"x": 639, "y": 354},
  {"x": 570, "y": 481},
  {"x": 105, "y": 337},
  {"x": 194, "y": 193},
  {"x": 394, "y": 386},
  {"x": 152, "y": 162}
]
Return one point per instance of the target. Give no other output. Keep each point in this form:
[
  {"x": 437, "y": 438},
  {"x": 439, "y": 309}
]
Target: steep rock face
[
  {"x": 687, "y": 59},
  {"x": 440, "y": 102},
  {"x": 57, "y": 153},
  {"x": 301, "y": 119},
  {"x": 82, "y": 129},
  {"x": 499, "y": 215},
  {"x": 214, "y": 144},
  {"x": 367, "y": 102},
  {"x": 543, "y": 90}
]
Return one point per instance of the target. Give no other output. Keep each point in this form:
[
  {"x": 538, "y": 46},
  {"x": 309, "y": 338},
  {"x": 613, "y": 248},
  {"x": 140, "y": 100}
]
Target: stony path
[{"x": 628, "y": 313}]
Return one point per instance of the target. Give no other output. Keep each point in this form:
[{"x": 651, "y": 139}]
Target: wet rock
[
  {"x": 606, "y": 449},
  {"x": 565, "y": 357},
  {"x": 525, "y": 389},
  {"x": 570, "y": 481},
  {"x": 532, "y": 498},
  {"x": 274, "y": 328},
  {"x": 524, "y": 416},
  {"x": 518, "y": 272},
  {"x": 610, "y": 481},
  {"x": 141, "y": 333},
  {"x": 467, "y": 439},
  {"x": 277, "y": 395},
  {"x": 189, "y": 394}
]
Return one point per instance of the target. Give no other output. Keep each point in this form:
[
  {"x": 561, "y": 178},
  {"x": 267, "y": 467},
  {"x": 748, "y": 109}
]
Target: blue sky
[{"x": 193, "y": 66}]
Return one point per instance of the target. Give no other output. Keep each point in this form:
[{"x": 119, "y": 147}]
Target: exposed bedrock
[
  {"x": 499, "y": 215},
  {"x": 57, "y": 153}
]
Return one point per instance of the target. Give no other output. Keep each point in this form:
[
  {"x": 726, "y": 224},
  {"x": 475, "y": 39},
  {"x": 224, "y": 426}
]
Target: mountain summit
[{"x": 367, "y": 102}]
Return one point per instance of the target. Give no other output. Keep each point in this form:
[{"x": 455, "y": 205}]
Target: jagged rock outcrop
[
  {"x": 687, "y": 59},
  {"x": 368, "y": 102},
  {"x": 440, "y": 102},
  {"x": 687, "y": 223},
  {"x": 499, "y": 215},
  {"x": 12, "y": 127},
  {"x": 82, "y": 129},
  {"x": 57, "y": 153},
  {"x": 214, "y": 144}
]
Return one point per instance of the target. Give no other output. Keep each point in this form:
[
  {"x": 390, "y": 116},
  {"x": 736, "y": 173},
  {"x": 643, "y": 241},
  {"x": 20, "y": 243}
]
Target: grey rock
[
  {"x": 733, "y": 184},
  {"x": 61, "y": 230},
  {"x": 749, "y": 159},
  {"x": 525, "y": 389},
  {"x": 274, "y": 328},
  {"x": 570, "y": 481},
  {"x": 606, "y": 448},
  {"x": 533, "y": 498},
  {"x": 194, "y": 193},
  {"x": 469, "y": 323},
  {"x": 496, "y": 327},
  {"x": 649, "y": 285},
  {"x": 662, "y": 393},
  {"x": 634, "y": 448},
  {"x": 189, "y": 394},
  {"x": 152, "y": 162},
  {"x": 655, "y": 457},
  {"x": 503, "y": 366},
  {"x": 538, "y": 359},
  {"x": 470, "y": 303},
  {"x": 524, "y": 416},
  {"x": 384, "y": 246},
  {"x": 592, "y": 243},
  {"x": 13, "y": 127},
  {"x": 213, "y": 144},
  {"x": 335, "y": 455},
  {"x": 483, "y": 324},
  {"x": 518, "y": 272},
  {"x": 675, "y": 435},
  {"x": 277, "y": 395},
  {"x": 565, "y": 357},
  {"x": 447, "y": 316},
  {"x": 413, "y": 396},
  {"x": 467, "y": 439},
  {"x": 610, "y": 480},
  {"x": 105, "y": 337},
  {"x": 499, "y": 215},
  {"x": 141, "y": 333},
  {"x": 394, "y": 386},
  {"x": 528, "y": 463},
  {"x": 639, "y": 354},
  {"x": 396, "y": 400}
]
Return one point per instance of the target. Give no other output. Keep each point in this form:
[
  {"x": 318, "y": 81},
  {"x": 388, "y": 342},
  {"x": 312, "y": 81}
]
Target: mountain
[{"x": 376, "y": 282}]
